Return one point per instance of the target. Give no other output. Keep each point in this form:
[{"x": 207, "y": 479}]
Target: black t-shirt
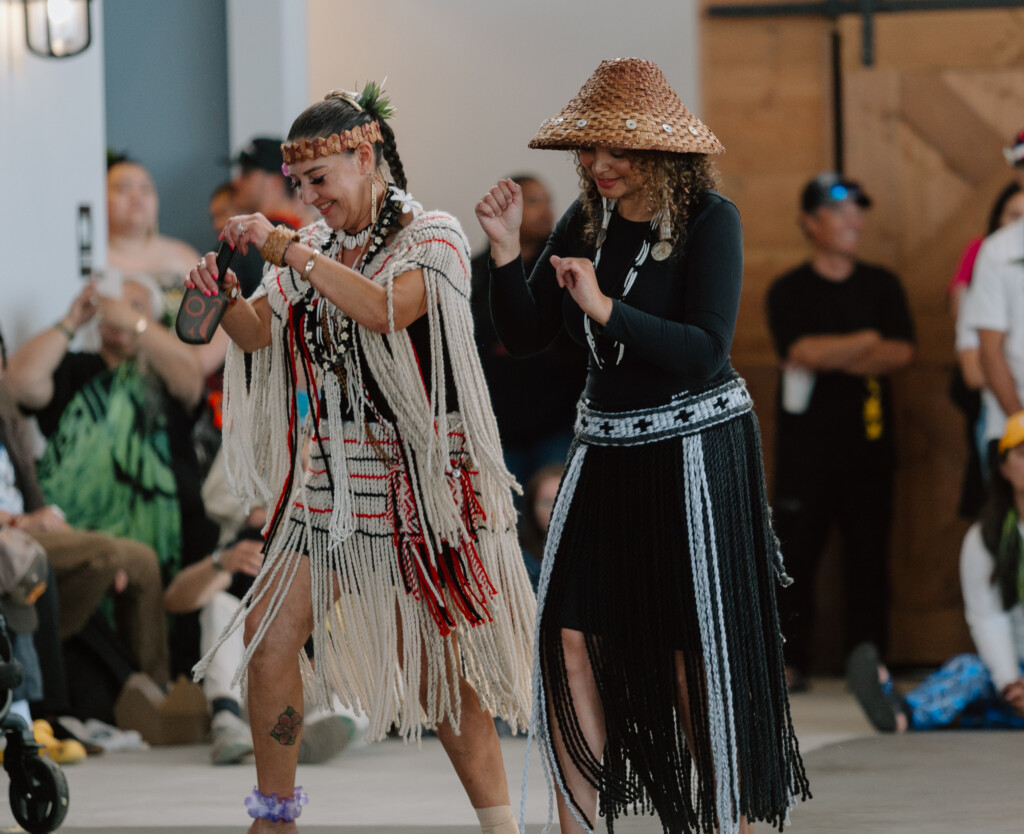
[
  {"x": 676, "y": 324},
  {"x": 848, "y": 424},
  {"x": 534, "y": 397}
]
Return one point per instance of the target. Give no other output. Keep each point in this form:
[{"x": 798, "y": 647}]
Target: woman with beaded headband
[
  {"x": 658, "y": 678},
  {"x": 392, "y": 538}
]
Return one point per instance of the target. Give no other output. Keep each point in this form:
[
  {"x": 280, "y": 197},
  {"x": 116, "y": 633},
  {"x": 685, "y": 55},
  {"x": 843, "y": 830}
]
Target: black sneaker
[{"x": 879, "y": 700}]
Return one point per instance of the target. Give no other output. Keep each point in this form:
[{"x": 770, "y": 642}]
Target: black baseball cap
[
  {"x": 828, "y": 188},
  {"x": 262, "y": 153}
]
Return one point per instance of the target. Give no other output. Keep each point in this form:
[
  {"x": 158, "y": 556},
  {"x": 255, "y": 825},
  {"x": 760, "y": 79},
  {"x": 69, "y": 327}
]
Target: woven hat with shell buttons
[{"x": 627, "y": 104}]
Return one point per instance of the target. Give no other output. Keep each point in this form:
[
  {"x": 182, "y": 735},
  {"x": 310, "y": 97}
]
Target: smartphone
[{"x": 199, "y": 315}]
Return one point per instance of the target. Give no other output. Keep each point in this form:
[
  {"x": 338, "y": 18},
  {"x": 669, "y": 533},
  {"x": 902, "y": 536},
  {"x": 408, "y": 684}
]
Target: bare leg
[
  {"x": 687, "y": 719},
  {"x": 475, "y": 752},
  {"x": 590, "y": 713},
  {"x": 473, "y": 748},
  {"x": 275, "y": 692}
]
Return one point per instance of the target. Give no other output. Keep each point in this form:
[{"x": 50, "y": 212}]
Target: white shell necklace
[
  {"x": 631, "y": 275},
  {"x": 357, "y": 240}
]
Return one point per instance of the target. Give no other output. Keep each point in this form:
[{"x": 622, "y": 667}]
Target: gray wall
[
  {"x": 166, "y": 93},
  {"x": 472, "y": 80}
]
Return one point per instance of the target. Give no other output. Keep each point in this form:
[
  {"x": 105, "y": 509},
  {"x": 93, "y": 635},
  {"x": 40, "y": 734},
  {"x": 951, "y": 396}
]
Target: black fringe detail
[{"x": 622, "y": 575}]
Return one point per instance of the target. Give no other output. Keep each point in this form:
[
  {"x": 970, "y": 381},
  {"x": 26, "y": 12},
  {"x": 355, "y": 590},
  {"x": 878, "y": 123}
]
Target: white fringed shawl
[{"x": 356, "y": 636}]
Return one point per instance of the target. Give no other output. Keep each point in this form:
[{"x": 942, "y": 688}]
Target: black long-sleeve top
[{"x": 676, "y": 323}]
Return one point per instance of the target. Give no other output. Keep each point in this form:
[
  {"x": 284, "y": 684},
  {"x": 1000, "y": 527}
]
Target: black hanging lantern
[{"x": 57, "y": 28}]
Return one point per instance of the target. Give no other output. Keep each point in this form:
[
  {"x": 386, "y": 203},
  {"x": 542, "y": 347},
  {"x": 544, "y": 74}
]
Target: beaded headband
[{"x": 335, "y": 143}]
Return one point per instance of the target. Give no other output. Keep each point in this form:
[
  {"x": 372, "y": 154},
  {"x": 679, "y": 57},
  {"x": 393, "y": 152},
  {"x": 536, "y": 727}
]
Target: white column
[
  {"x": 53, "y": 135},
  {"x": 267, "y": 67}
]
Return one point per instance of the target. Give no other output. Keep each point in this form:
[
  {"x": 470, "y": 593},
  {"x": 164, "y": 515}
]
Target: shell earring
[
  {"x": 373, "y": 200},
  {"x": 663, "y": 248}
]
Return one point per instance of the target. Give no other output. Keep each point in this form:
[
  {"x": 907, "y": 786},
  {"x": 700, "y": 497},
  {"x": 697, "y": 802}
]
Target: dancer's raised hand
[{"x": 500, "y": 213}]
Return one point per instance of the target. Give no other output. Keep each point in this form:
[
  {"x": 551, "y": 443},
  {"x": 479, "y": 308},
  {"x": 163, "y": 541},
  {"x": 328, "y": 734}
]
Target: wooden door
[
  {"x": 924, "y": 131},
  {"x": 924, "y": 128}
]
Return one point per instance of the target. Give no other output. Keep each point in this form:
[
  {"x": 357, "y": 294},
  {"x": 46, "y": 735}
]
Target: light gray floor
[{"x": 937, "y": 782}]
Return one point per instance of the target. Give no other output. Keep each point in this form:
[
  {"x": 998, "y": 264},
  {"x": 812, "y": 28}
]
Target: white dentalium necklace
[
  {"x": 357, "y": 240},
  {"x": 634, "y": 270}
]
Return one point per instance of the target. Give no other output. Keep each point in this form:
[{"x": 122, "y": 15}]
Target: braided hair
[{"x": 341, "y": 111}]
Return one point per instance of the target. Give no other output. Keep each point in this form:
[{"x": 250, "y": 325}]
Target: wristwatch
[{"x": 217, "y": 558}]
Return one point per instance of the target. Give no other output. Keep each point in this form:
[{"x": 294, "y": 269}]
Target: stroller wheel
[{"x": 39, "y": 796}]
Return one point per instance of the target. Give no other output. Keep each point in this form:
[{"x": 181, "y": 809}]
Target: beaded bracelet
[
  {"x": 276, "y": 244},
  {"x": 275, "y": 809}
]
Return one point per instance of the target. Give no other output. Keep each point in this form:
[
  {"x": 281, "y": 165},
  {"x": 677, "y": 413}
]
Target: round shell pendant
[{"x": 661, "y": 250}]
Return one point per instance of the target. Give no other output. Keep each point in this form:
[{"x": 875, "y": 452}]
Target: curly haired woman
[{"x": 659, "y": 656}]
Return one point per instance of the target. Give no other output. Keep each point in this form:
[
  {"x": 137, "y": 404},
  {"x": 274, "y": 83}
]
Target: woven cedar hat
[{"x": 627, "y": 104}]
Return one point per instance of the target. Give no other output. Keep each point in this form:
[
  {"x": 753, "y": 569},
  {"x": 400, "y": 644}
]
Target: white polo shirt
[{"x": 995, "y": 301}]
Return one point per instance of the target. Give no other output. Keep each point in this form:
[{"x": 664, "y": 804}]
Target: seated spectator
[
  {"x": 535, "y": 397},
  {"x": 985, "y": 690},
  {"x": 134, "y": 243},
  {"x": 25, "y": 578},
  {"x": 86, "y": 567},
  {"x": 119, "y": 420},
  {"x": 214, "y": 586},
  {"x": 539, "y": 500},
  {"x": 222, "y": 206},
  {"x": 261, "y": 186}
]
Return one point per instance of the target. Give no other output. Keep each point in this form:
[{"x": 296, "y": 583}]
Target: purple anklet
[{"x": 275, "y": 809}]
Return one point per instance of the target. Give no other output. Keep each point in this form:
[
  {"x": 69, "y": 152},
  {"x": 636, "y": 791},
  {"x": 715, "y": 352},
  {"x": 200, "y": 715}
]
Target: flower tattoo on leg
[{"x": 286, "y": 732}]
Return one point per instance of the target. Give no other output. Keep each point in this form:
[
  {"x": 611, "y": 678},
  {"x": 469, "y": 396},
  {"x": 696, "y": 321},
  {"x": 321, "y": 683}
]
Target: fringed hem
[
  {"x": 679, "y": 558},
  {"x": 364, "y": 610}
]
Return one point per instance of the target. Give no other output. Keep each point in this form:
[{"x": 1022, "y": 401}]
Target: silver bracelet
[{"x": 310, "y": 264}]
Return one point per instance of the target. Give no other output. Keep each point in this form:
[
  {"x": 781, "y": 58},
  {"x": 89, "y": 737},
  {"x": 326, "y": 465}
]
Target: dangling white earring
[
  {"x": 373, "y": 200},
  {"x": 663, "y": 248}
]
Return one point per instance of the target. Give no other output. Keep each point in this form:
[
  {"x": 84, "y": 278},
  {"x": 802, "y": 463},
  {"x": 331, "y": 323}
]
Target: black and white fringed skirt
[{"x": 660, "y": 550}]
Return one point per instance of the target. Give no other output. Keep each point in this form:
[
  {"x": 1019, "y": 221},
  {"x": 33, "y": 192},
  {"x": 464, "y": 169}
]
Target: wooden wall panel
[
  {"x": 923, "y": 133},
  {"x": 992, "y": 39},
  {"x": 762, "y": 96}
]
